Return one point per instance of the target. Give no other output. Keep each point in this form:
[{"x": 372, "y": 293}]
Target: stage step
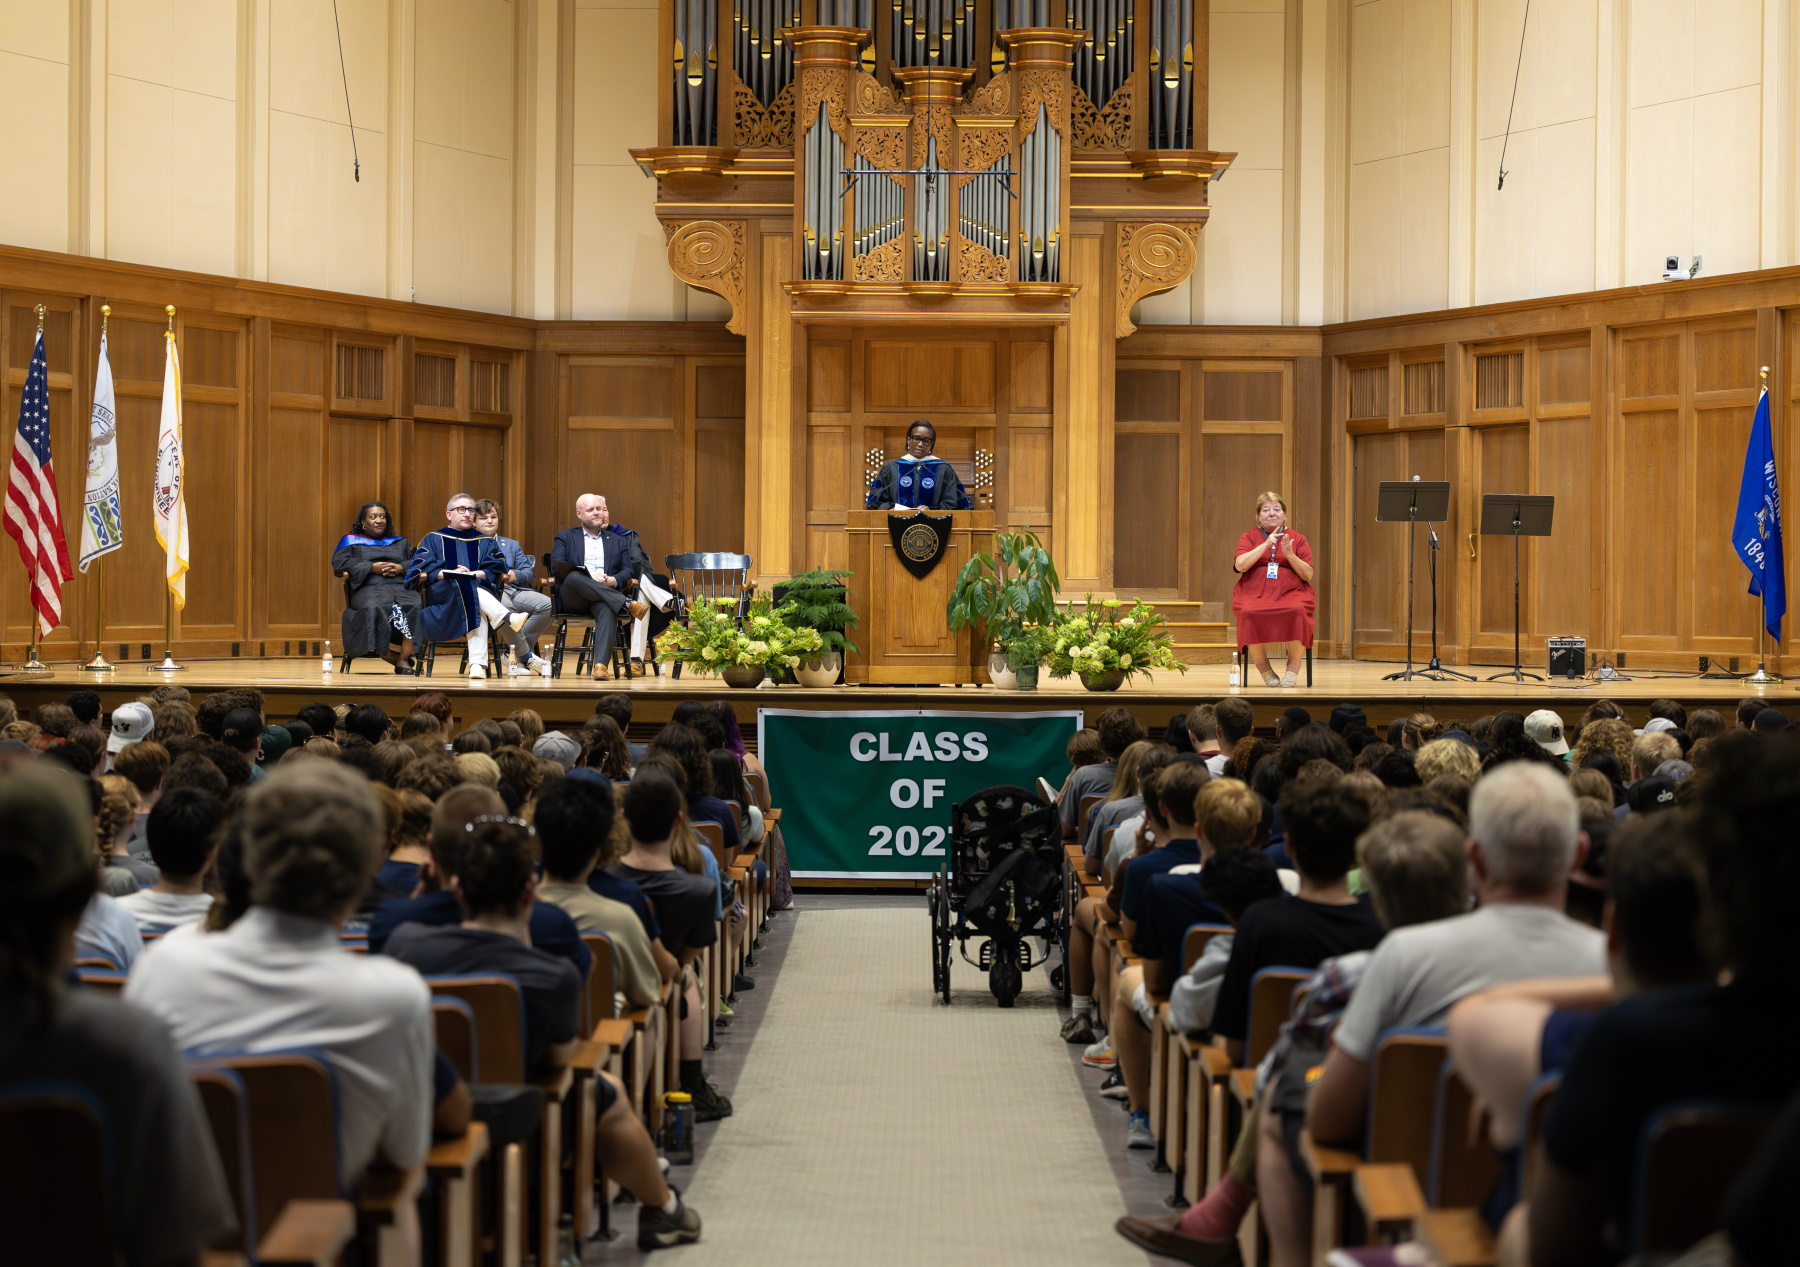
[{"x": 1202, "y": 635}]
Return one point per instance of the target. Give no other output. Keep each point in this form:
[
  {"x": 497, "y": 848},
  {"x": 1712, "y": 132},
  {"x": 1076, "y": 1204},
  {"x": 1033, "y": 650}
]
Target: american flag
[{"x": 32, "y": 518}]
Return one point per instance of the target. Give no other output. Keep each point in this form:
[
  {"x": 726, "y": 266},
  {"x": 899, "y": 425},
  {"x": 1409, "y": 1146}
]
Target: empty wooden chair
[{"x": 1692, "y": 1153}]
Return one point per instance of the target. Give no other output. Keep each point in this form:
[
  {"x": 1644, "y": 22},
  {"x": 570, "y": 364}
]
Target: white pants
[
  {"x": 657, "y": 597},
  {"x": 492, "y": 613}
]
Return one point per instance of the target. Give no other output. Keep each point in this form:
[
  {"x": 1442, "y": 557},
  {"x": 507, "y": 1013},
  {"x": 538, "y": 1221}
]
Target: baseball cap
[
  {"x": 558, "y": 747},
  {"x": 1545, "y": 729},
  {"x": 275, "y": 742},
  {"x": 240, "y": 724},
  {"x": 1675, "y": 768},
  {"x": 131, "y": 723},
  {"x": 1648, "y": 795},
  {"x": 1655, "y": 724}
]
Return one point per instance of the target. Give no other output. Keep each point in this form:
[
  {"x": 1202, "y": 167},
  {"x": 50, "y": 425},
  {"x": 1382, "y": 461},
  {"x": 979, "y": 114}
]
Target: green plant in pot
[
  {"x": 713, "y": 640},
  {"x": 1027, "y": 649},
  {"x": 1006, "y": 591},
  {"x": 820, "y": 600},
  {"x": 1108, "y": 644}
]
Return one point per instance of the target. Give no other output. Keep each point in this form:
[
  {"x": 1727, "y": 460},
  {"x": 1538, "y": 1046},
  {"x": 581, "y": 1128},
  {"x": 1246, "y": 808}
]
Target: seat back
[
  {"x": 1193, "y": 944},
  {"x": 110, "y": 980},
  {"x": 1537, "y": 1108},
  {"x": 1690, "y": 1156},
  {"x": 1083, "y": 810},
  {"x": 1403, "y": 1096},
  {"x": 1464, "y": 1166},
  {"x": 759, "y": 786},
  {"x": 499, "y": 1010},
  {"x": 226, "y": 1105},
  {"x": 56, "y": 1172},
  {"x": 714, "y": 836},
  {"x": 600, "y": 1001},
  {"x": 1271, "y": 996},
  {"x": 702, "y": 577},
  {"x": 291, "y": 1097},
  {"x": 454, "y": 1022}
]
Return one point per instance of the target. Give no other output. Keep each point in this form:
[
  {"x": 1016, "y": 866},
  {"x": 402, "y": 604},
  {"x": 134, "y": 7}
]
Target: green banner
[{"x": 867, "y": 795}]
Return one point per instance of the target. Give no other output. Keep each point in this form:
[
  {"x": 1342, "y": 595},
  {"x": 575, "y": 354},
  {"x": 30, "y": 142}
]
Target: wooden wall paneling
[
  {"x": 363, "y": 373},
  {"x": 828, "y": 376},
  {"x": 1723, "y": 617},
  {"x": 133, "y": 574},
  {"x": 1646, "y": 487},
  {"x": 1564, "y": 581},
  {"x": 1312, "y": 488},
  {"x": 1029, "y": 383},
  {"x": 1147, "y": 492},
  {"x": 295, "y": 520},
  {"x": 214, "y": 466},
  {"x": 914, "y": 373},
  {"x": 1027, "y": 467},
  {"x": 1502, "y": 465},
  {"x": 1379, "y": 550},
  {"x": 717, "y": 444},
  {"x": 433, "y": 475}
]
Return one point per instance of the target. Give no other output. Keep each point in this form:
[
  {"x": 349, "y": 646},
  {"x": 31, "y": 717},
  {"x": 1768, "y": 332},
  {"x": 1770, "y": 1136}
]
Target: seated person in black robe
[
  {"x": 380, "y": 609},
  {"x": 918, "y": 479}
]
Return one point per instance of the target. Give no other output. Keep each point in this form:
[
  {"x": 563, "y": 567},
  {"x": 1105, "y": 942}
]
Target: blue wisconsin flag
[{"x": 1756, "y": 532}]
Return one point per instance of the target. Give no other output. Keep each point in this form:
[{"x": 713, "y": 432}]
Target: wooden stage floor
[{"x": 290, "y": 683}]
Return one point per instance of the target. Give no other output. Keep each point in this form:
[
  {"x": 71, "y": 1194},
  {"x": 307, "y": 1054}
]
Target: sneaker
[
  {"x": 657, "y": 1230},
  {"x": 1137, "y": 1131},
  {"x": 538, "y": 665},
  {"x": 741, "y": 981},
  {"x": 477, "y": 670},
  {"x": 1290, "y": 678},
  {"x": 709, "y": 1105},
  {"x": 517, "y": 620},
  {"x": 1079, "y": 1029},
  {"x": 1099, "y": 1055},
  {"x": 515, "y": 669},
  {"x": 725, "y": 1010},
  {"x": 1114, "y": 1086}
]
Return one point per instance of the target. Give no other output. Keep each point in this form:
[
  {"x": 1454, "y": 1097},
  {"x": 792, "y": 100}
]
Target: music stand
[
  {"x": 1408, "y": 502},
  {"x": 1516, "y": 515}
]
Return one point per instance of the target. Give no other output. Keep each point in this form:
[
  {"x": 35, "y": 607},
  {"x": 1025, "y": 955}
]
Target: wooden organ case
[{"x": 939, "y": 209}]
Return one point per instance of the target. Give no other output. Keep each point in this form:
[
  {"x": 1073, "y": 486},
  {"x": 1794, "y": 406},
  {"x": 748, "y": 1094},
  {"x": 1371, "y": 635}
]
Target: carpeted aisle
[{"x": 877, "y": 1126}]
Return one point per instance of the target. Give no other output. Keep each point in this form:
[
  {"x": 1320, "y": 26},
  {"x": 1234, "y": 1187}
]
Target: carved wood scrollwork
[
  {"x": 874, "y": 97},
  {"x": 992, "y": 97},
  {"x": 1050, "y": 88},
  {"x": 1108, "y": 129},
  {"x": 711, "y": 254},
  {"x": 1152, "y": 258},
  {"x": 981, "y": 265},
  {"x": 981, "y": 147},
  {"x": 823, "y": 86},
  {"x": 758, "y": 129},
  {"x": 886, "y": 263},
  {"x": 883, "y": 147}
]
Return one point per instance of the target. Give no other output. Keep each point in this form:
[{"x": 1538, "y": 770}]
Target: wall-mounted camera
[{"x": 1672, "y": 270}]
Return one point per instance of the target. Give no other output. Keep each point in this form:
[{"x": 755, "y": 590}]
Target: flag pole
[
  {"x": 32, "y": 663},
  {"x": 1762, "y": 677},
  {"x": 168, "y": 664},
  {"x": 100, "y": 664}
]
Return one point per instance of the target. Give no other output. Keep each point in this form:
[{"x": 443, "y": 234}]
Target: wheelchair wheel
[
  {"x": 938, "y": 900},
  {"x": 1004, "y": 979}
]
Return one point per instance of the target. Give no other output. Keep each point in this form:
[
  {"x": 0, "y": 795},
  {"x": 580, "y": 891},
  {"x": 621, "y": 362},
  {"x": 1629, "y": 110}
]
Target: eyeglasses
[
  {"x": 507, "y": 819},
  {"x": 462, "y": 510}
]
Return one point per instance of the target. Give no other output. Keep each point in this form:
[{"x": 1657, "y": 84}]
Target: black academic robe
[
  {"x": 451, "y": 609},
  {"x": 904, "y": 483}
]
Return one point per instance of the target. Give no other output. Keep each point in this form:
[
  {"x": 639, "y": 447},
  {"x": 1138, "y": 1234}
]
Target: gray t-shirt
[
  {"x": 1108, "y": 814},
  {"x": 108, "y": 931},
  {"x": 1193, "y": 997},
  {"x": 1417, "y": 973},
  {"x": 1084, "y": 780},
  {"x": 172, "y": 1201}
]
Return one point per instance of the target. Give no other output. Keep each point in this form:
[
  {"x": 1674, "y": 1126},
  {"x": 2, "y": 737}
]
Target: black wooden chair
[{"x": 704, "y": 577}]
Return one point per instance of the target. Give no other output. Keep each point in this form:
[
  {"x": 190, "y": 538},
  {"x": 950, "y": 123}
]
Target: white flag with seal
[
  {"x": 102, "y": 522},
  {"x": 170, "y": 500}
]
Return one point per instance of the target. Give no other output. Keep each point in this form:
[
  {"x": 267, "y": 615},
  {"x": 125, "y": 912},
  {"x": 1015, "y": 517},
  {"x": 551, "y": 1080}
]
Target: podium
[{"x": 902, "y": 630}]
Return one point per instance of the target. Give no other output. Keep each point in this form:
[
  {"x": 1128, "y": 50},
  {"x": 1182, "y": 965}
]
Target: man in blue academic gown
[
  {"x": 449, "y": 566},
  {"x": 917, "y": 478}
]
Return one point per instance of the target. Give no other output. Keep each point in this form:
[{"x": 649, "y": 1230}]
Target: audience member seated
[
  {"x": 408, "y": 843},
  {"x": 165, "y": 1195},
  {"x": 1205, "y": 738},
  {"x": 279, "y": 978},
  {"x": 495, "y": 885},
  {"x": 1414, "y": 866},
  {"x": 1321, "y": 920},
  {"x": 685, "y": 909},
  {"x": 1711, "y": 1042},
  {"x": 115, "y": 826},
  {"x": 1236, "y": 880},
  {"x": 1122, "y": 799},
  {"x": 607, "y": 750},
  {"x": 574, "y": 820},
  {"x": 1118, "y": 730},
  {"x": 551, "y": 930},
  {"x": 182, "y": 831}
]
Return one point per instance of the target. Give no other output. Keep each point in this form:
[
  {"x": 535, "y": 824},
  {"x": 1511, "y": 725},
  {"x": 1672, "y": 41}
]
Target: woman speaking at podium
[
  {"x": 1273, "y": 598},
  {"x": 917, "y": 479}
]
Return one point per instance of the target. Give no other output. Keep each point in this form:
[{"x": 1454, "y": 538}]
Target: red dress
[{"x": 1277, "y": 610}]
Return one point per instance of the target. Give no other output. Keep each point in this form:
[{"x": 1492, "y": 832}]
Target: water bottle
[
  {"x": 678, "y": 1128},
  {"x": 567, "y": 1255},
  {"x": 325, "y": 660},
  {"x": 1234, "y": 673}
]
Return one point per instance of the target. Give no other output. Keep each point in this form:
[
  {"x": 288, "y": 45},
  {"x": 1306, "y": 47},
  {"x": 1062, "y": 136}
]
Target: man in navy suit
[{"x": 594, "y": 569}]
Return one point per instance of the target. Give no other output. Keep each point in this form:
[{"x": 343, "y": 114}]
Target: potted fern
[
  {"x": 1010, "y": 591},
  {"x": 819, "y": 600}
]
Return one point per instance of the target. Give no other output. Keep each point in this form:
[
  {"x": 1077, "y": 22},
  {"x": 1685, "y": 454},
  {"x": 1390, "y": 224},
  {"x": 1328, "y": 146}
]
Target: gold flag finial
[
  {"x": 170, "y": 309},
  {"x": 1765, "y": 375},
  {"x": 105, "y": 312},
  {"x": 40, "y": 317}
]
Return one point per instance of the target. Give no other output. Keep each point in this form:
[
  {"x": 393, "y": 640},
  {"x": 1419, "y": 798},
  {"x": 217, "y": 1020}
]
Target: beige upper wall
[{"x": 212, "y": 135}]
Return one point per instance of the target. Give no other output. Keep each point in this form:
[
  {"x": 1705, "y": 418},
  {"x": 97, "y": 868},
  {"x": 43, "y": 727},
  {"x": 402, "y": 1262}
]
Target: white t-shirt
[
  {"x": 272, "y": 982},
  {"x": 159, "y": 912},
  {"x": 108, "y": 931},
  {"x": 1215, "y": 765},
  {"x": 1417, "y": 973}
]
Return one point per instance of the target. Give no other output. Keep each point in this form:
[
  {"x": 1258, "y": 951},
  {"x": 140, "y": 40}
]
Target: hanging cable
[
  {"x": 1519, "y": 65},
  {"x": 355, "y": 158}
]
